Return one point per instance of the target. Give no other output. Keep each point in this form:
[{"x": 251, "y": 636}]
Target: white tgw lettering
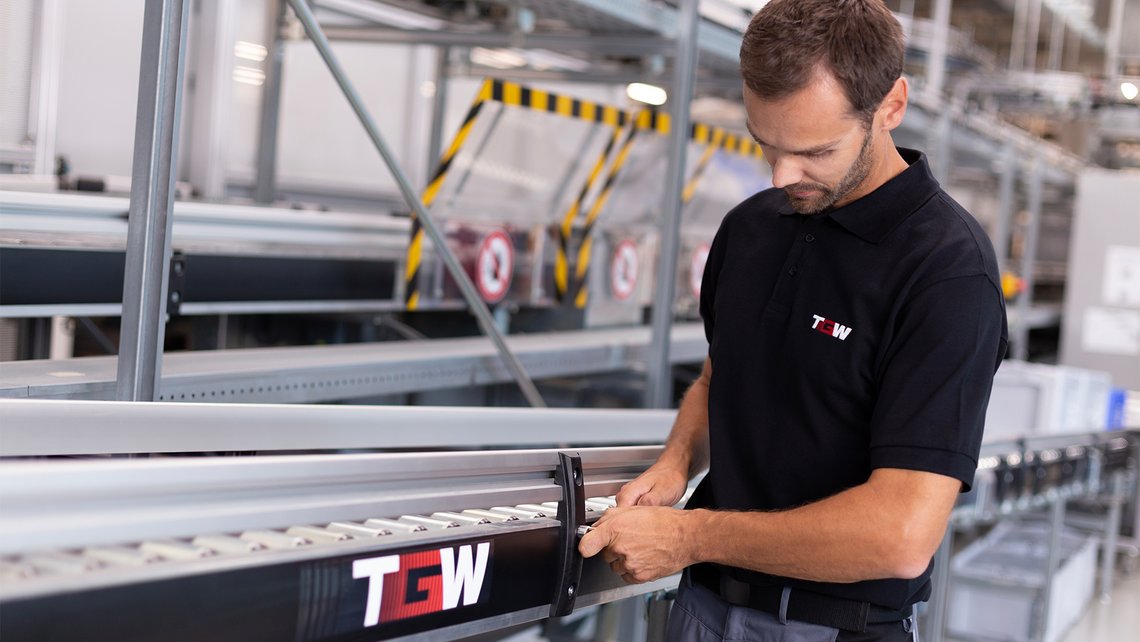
[
  {"x": 463, "y": 575},
  {"x": 375, "y": 568},
  {"x": 840, "y": 331}
]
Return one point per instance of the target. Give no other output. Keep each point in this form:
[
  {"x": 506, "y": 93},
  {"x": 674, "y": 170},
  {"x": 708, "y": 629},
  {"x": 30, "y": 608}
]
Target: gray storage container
[{"x": 998, "y": 584}]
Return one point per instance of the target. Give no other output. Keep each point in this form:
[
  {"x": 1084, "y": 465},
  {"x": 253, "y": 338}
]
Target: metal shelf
[{"x": 331, "y": 373}]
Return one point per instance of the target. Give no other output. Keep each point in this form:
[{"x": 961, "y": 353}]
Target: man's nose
[{"x": 785, "y": 172}]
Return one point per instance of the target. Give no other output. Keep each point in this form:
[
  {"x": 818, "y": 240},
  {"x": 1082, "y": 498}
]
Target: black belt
[{"x": 796, "y": 604}]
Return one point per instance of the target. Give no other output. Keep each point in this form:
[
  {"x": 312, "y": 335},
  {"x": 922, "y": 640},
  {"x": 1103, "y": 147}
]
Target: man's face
[{"x": 820, "y": 153}]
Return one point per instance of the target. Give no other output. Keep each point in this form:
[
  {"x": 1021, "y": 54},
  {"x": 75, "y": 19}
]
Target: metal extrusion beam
[
  {"x": 1028, "y": 261},
  {"x": 660, "y": 389},
  {"x": 37, "y": 427},
  {"x": 313, "y": 374},
  {"x": 266, "y": 180},
  {"x": 152, "y": 199},
  {"x": 633, "y": 45},
  {"x": 474, "y": 301}
]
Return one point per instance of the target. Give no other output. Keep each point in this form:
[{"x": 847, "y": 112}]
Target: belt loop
[{"x": 787, "y": 593}]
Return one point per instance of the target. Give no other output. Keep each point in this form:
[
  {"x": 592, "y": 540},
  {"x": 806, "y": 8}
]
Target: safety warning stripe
[
  {"x": 513, "y": 94},
  {"x": 416, "y": 245},
  {"x": 582, "y": 265},
  {"x": 702, "y": 134},
  {"x": 702, "y": 164},
  {"x": 561, "y": 260}
]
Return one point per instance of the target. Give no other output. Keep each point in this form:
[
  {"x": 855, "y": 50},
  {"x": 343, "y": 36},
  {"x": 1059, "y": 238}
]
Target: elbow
[{"x": 912, "y": 552}]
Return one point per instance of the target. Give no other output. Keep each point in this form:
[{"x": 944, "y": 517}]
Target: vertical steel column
[
  {"x": 44, "y": 96},
  {"x": 1111, "y": 534},
  {"x": 657, "y": 616},
  {"x": 660, "y": 389},
  {"x": 152, "y": 199},
  {"x": 265, "y": 184},
  {"x": 1113, "y": 41},
  {"x": 1052, "y": 560},
  {"x": 1028, "y": 260},
  {"x": 1006, "y": 186},
  {"x": 940, "y": 594},
  {"x": 209, "y": 103},
  {"x": 438, "y": 108},
  {"x": 1056, "y": 43},
  {"x": 470, "y": 294},
  {"x": 1073, "y": 51},
  {"x": 936, "y": 60},
  {"x": 941, "y": 141},
  {"x": 1032, "y": 37},
  {"x": 1017, "y": 39}
]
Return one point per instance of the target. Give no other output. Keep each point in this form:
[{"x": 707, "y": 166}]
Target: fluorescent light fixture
[
  {"x": 497, "y": 58},
  {"x": 1129, "y": 90},
  {"x": 648, "y": 94},
  {"x": 250, "y": 51},
  {"x": 249, "y": 76}
]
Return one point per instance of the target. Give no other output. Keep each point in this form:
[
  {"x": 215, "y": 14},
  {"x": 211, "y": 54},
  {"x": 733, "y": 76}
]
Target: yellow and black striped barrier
[
  {"x": 511, "y": 94},
  {"x": 714, "y": 138}
]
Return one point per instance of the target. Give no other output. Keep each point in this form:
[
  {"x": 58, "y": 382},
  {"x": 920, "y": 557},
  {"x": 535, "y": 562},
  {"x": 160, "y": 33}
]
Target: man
[{"x": 855, "y": 321}]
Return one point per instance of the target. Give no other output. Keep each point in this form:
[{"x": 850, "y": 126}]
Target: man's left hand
[{"x": 642, "y": 543}]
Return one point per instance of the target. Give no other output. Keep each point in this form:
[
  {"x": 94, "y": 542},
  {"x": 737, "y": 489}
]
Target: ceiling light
[
  {"x": 250, "y": 51},
  {"x": 1129, "y": 90},
  {"x": 648, "y": 94}
]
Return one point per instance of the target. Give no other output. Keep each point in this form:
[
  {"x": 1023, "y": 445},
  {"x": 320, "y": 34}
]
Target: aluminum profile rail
[
  {"x": 300, "y": 547},
  {"x": 351, "y": 371},
  {"x": 37, "y": 428}
]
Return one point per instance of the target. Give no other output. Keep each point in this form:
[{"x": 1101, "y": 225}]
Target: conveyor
[
  {"x": 62, "y": 254},
  {"x": 361, "y": 545},
  {"x": 327, "y": 373}
]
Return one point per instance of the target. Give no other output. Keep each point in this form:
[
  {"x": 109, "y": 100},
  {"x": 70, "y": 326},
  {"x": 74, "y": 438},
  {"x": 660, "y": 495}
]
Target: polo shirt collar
[{"x": 877, "y": 214}]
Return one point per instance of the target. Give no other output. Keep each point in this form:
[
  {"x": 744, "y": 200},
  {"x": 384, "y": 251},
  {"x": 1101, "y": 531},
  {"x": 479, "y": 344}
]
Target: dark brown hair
[{"x": 858, "y": 41}]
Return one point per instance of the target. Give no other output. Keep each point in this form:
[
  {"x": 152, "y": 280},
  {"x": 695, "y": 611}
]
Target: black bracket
[
  {"x": 176, "y": 284},
  {"x": 572, "y": 514}
]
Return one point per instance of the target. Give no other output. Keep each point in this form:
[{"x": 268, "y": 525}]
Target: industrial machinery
[{"x": 316, "y": 534}]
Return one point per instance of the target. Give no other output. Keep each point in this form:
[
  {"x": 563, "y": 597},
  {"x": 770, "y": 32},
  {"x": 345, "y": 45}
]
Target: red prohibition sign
[{"x": 495, "y": 266}]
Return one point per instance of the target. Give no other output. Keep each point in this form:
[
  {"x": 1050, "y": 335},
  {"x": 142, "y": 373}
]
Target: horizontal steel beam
[
  {"x": 351, "y": 371},
  {"x": 633, "y": 45},
  {"x": 33, "y": 427}
]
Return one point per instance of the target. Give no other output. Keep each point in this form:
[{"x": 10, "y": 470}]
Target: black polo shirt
[{"x": 862, "y": 337}]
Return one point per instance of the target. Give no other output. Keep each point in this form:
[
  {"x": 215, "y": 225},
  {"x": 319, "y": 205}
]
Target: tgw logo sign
[
  {"x": 827, "y": 326},
  {"x": 413, "y": 584}
]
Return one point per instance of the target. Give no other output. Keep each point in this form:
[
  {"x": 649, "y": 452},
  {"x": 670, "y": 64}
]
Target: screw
[{"x": 570, "y": 591}]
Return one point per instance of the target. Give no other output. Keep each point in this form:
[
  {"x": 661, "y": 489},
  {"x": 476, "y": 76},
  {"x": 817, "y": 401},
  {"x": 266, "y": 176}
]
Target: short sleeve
[{"x": 935, "y": 379}]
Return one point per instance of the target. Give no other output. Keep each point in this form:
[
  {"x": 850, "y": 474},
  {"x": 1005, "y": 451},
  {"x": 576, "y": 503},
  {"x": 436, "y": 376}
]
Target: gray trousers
[{"x": 699, "y": 615}]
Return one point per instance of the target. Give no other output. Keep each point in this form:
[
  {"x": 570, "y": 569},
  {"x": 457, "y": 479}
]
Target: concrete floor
[{"x": 1114, "y": 620}]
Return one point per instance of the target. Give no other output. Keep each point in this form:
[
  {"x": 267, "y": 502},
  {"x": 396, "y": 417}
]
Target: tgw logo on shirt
[
  {"x": 827, "y": 326},
  {"x": 414, "y": 584}
]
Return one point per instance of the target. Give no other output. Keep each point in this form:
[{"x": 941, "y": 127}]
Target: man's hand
[
  {"x": 661, "y": 485},
  {"x": 642, "y": 543}
]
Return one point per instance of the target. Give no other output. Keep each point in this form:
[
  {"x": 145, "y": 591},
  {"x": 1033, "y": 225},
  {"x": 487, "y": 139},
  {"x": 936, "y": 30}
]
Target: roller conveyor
[
  {"x": 300, "y": 547},
  {"x": 358, "y": 546}
]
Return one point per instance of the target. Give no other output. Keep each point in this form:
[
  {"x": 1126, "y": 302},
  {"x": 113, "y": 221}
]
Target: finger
[
  {"x": 631, "y": 493},
  {"x": 594, "y": 541}
]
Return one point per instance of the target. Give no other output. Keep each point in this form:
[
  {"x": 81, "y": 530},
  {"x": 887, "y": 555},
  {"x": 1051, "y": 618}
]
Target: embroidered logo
[{"x": 829, "y": 327}]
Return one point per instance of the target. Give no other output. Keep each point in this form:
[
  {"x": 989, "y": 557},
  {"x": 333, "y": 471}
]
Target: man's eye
[{"x": 822, "y": 154}]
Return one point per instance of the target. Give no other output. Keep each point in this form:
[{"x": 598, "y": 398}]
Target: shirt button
[
  {"x": 792, "y": 270},
  {"x": 809, "y": 238}
]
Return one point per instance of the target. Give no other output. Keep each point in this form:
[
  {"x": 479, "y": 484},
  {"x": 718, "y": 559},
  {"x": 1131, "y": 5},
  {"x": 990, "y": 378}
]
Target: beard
[{"x": 825, "y": 196}]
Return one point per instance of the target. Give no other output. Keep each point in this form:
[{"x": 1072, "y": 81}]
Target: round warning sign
[
  {"x": 495, "y": 266},
  {"x": 697, "y": 262},
  {"x": 623, "y": 270}
]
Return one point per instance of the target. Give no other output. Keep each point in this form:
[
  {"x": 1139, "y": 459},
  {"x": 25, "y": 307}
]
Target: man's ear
[{"x": 893, "y": 108}]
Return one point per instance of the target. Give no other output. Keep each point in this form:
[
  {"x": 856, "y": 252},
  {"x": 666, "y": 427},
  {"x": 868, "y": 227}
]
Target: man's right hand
[{"x": 658, "y": 486}]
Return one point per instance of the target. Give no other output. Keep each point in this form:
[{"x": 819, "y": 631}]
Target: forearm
[
  {"x": 687, "y": 448},
  {"x": 859, "y": 534}
]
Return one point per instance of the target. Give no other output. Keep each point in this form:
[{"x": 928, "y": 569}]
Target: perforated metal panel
[{"x": 17, "y": 29}]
